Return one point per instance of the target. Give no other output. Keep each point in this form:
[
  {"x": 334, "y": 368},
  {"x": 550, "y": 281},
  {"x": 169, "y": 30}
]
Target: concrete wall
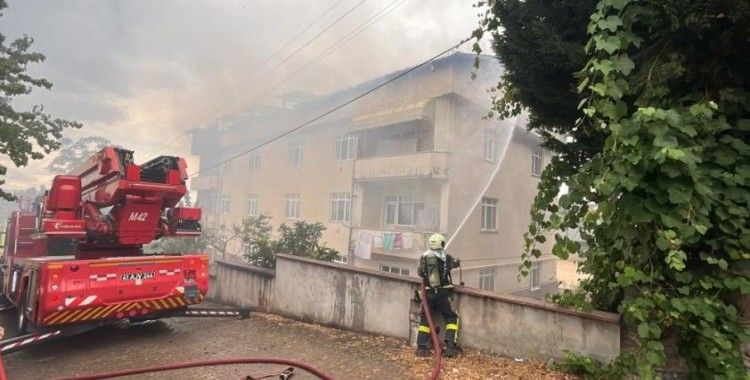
[{"x": 378, "y": 303}]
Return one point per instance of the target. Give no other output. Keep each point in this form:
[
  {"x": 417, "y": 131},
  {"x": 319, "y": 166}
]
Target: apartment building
[{"x": 415, "y": 157}]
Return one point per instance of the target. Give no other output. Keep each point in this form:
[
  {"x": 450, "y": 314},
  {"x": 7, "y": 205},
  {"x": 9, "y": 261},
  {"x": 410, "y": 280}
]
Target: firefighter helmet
[{"x": 437, "y": 242}]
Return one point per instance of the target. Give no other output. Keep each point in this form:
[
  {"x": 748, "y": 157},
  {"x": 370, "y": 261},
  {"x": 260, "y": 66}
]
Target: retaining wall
[{"x": 379, "y": 303}]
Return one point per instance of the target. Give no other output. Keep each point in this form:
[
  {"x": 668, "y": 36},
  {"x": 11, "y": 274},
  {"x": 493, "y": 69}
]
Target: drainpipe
[{"x": 350, "y": 253}]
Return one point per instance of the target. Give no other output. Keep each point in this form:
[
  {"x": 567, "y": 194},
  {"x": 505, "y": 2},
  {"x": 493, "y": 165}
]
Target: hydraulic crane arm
[{"x": 109, "y": 202}]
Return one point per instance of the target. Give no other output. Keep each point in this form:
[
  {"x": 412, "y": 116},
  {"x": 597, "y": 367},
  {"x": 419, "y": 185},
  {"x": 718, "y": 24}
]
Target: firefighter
[{"x": 435, "y": 270}]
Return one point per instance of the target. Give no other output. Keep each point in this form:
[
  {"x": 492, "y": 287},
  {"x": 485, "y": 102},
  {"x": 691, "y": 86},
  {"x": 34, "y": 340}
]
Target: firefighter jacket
[{"x": 435, "y": 268}]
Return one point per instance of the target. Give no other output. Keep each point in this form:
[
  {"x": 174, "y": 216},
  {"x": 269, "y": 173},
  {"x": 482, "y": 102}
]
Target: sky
[{"x": 143, "y": 73}]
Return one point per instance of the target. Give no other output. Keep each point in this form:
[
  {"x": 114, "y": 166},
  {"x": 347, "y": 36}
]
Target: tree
[
  {"x": 300, "y": 239},
  {"x": 29, "y": 134},
  {"x": 256, "y": 235},
  {"x": 176, "y": 245},
  {"x": 303, "y": 239},
  {"x": 73, "y": 154},
  {"x": 662, "y": 202}
]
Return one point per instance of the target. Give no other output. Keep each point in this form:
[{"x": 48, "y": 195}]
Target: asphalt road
[{"x": 344, "y": 355}]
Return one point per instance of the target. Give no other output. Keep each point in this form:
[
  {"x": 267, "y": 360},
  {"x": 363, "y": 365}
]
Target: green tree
[
  {"x": 24, "y": 135},
  {"x": 662, "y": 202},
  {"x": 303, "y": 239},
  {"x": 73, "y": 154},
  {"x": 255, "y": 232},
  {"x": 176, "y": 245}
]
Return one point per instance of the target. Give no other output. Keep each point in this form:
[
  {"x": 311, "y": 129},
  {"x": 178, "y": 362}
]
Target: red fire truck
[{"x": 75, "y": 256}]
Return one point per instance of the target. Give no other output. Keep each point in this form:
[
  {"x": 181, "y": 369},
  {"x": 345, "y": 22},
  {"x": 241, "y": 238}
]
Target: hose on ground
[
  {"x": 433, "y": 334},
  {"x": 204, "y": 363}
]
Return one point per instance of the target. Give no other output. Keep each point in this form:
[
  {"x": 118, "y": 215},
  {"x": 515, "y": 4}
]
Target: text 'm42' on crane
[{"x": 74, "y": 259}]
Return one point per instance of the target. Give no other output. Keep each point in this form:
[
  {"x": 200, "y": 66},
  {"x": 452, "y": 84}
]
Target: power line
[
  {"x": 310, "y": 25},
  {"x": 334, "y": 109},
  {"x": 294, "y": 53},
  {"x": 331, "y": 25},
  {"x": 286, "y": 59},
  {"x": 356, "y": 31}
]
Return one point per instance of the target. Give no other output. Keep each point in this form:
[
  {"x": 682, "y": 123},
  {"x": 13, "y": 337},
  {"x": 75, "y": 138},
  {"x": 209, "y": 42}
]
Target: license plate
[{"x": 138, "y": 276}]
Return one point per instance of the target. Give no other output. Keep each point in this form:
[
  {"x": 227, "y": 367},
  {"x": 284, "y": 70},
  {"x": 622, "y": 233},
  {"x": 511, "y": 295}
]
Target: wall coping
[
  {"x": 246, "y": 267},
  {"x": 530, "y": 302},
  {"x": 349, "y": 268}
]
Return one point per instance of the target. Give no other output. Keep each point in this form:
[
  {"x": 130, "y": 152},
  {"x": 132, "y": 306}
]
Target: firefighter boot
[
  {"x": 423, "y": 351},
  {"x": 451, "y": 349}
]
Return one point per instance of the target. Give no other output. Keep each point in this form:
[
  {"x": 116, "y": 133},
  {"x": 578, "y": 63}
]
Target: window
[
  {"x": 291, "y": 206},
  {"x": 487, "y": 279},
  {"x": 489, "y": 214},
  {"x": 224, "y": 205},
  {"x": 403, "y": 210},
  {"x": 226, "y": 168},
  {"x": 295, "y": 154},
  {"x": 252, "y": 204},
  {"x": 490, "y": 145},
  {"x": 536, "y": 162},
  {"x": 251, "y": 249},
  {"x": 394, "y": 270},
  {"x": 345, "y": 148},
  {"x": 340, "y": 207},
  {"x": 254, "y": 160},
  {"x": 534, "y": 275}
]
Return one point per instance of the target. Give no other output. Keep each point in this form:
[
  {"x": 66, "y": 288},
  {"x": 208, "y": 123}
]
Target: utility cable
[
  {"x": 336, "y": 108},
  {"x": 356, "y": 31},
  {"x": 286, "y": 59}
]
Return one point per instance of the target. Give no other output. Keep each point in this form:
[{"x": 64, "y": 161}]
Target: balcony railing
[{"x": 416, "y": 165}]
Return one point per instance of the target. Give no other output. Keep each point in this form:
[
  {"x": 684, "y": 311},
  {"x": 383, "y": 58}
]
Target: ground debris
[{"x": 474, "y": 365}]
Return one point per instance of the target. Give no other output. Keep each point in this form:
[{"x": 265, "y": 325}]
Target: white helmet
[{"x": 436, "y": 242}]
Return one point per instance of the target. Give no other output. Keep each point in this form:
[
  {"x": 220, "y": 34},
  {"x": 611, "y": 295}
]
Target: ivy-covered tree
[
  {"x": 663, "y": 202},
  {"x": 24, "y": 135},
  {"x": 73, "y": 154}
]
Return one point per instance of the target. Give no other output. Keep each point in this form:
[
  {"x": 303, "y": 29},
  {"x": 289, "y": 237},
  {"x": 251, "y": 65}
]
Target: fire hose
[
  {"x": 204, "y": 363},
  {"x": 433, "y": 334}
]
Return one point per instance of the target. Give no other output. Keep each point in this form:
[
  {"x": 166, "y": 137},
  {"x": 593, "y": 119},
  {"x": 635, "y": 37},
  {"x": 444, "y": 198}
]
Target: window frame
[
  {"x": 225, "y": 201},
  {"x": 487, "y": 275},
  {"x": 537, "y": 162},
  {"x": 535, "y": 274},
  {"x": 490, "y": 145},
  {"x": 488, "y": 203},
  {"x": 339, "y": 200},
  {"x": 398, "y": 271},
  {"x": 348, "y": 140},
  {"x": 398, "y": 202},
  {"x": 252, "y": 204},
  {"x": 293, "y": 198},
  {"x": 255, "y": 160},
  {"x": 299, "y": 147}
]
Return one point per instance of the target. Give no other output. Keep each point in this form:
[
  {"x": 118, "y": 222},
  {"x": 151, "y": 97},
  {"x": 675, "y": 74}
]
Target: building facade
[{"x": 414, "y": 157}]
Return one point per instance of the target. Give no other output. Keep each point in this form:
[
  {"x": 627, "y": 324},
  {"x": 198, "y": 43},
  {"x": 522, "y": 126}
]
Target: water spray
[{"x": 509, "y": 136}]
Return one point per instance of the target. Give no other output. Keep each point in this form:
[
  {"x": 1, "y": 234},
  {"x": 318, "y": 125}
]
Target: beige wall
[
  {"x": 377, "y": 303},
  {"x": 315, "y": 179}
]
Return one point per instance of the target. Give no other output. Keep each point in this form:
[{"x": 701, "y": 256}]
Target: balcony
[
  {"x": 416, "y": 165},
  {"x": 204, "y": 183}
]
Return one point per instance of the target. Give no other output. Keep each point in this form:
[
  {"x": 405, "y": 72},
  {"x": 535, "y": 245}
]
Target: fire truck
[{"x": 74, "y": 256}]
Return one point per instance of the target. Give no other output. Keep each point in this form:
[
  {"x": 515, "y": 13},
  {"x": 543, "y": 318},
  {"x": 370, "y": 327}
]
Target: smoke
[{"x": 143, "y": 73}]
